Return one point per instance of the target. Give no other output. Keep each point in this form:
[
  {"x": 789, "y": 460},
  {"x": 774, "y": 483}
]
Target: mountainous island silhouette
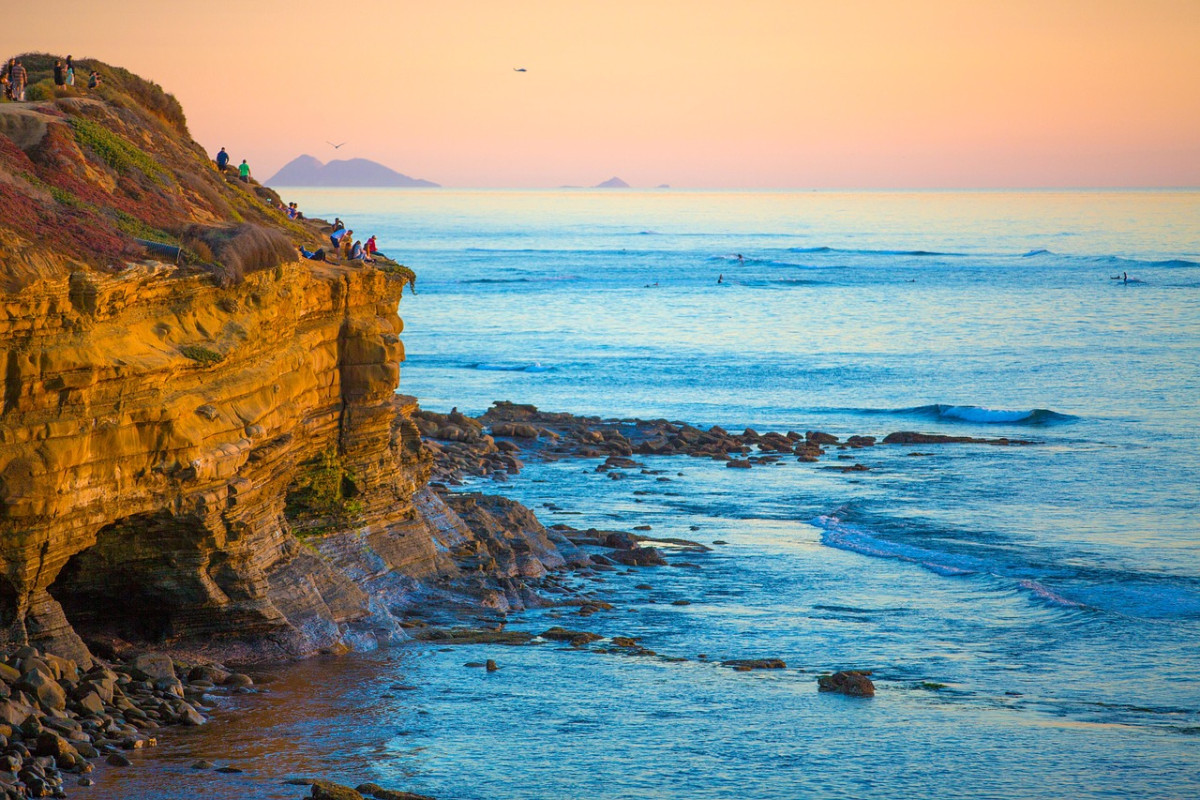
[{"x": 354, "y": 172}]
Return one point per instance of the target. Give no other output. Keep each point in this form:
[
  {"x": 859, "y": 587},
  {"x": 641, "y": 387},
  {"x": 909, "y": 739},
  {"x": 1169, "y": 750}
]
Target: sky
[{"x": 692, "y": 93}]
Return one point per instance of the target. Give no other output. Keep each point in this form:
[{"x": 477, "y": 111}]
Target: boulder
[
  {"x": 328, "y": 790},
  {"x": 854, "y": 683},
  {"x": 379, "y": 793},
  {"x": 44, "y": 689},
  {"x": 517, "y": 430},
  {"x": 574, "y": 638},
  {"x": 151, "y": 666},
  {"x": 640, "y": 557}
]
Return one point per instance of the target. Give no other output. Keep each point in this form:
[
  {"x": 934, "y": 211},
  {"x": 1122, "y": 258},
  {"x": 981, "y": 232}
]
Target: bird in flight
[
  {"x": 520, "y": 69},
  {"x": 334, "y": 146}
]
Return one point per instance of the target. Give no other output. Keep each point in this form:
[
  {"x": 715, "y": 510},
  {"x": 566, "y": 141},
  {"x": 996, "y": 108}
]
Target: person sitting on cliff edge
[
  {"x": 347, "y": 242},
  {"x": 356, "y": 252},
  {"x": 371, "y": 249}
]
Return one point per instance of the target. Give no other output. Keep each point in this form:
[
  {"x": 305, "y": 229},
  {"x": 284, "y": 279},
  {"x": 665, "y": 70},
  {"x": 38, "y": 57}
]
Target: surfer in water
[{"x": 720, "y": 278}]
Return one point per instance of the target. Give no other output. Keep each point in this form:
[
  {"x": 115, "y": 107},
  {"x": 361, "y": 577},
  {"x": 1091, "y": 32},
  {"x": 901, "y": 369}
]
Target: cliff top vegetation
[{"x": 89, "y": 176}]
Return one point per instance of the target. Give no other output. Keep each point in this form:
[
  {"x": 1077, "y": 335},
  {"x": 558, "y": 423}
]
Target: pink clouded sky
[{"x": 738, "y": 93}]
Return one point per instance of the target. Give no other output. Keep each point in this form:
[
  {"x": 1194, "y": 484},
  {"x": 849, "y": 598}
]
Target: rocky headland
[
  {"x": 204, "y": 459},
  {"x": 205, "y": 454}
]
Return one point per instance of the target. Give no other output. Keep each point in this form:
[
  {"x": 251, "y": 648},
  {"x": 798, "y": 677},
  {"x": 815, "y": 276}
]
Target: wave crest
[{"x": 978, "y": 415}]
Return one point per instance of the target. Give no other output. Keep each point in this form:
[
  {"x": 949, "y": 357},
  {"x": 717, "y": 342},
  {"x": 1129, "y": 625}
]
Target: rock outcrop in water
[{"x": 206, "y": 451}]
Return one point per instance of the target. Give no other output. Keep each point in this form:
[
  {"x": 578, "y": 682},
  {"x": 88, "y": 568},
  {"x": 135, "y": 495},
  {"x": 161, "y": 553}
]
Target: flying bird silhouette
[
  {"x": 520, "y": 69},
  {"x": 334, "y": 146}
]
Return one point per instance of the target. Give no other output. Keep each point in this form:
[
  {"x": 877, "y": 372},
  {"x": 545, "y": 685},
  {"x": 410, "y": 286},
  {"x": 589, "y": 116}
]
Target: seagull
[
  {"x": 520, "y": 69},
  {"x": 334, "y": 146}
]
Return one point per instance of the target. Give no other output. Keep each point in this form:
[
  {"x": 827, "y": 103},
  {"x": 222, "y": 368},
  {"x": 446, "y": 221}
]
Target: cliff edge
[{"x": 206, "y": 450}]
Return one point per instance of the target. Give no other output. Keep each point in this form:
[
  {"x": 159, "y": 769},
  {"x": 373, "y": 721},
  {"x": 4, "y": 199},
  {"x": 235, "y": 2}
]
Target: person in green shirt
[{"x": 244, "y": 171}]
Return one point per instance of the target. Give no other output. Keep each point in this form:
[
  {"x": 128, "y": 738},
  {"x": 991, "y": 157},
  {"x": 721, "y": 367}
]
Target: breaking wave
[{"x": 977, "y": 414}]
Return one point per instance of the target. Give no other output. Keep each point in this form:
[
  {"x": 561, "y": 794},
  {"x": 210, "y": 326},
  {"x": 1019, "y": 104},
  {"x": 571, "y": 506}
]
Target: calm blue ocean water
[{"x": 1052, "y": 592}]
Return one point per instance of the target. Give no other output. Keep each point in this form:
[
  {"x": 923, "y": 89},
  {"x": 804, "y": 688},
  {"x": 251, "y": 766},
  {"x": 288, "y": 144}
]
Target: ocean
[{"x": 1031, "y": 614}]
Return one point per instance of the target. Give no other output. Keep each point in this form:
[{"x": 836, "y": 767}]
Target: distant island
[
  {"x": 612, "y": 183},
  {"x": 357, "y": 172}
]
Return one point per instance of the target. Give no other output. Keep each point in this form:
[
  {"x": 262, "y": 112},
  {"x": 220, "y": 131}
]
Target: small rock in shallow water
[
  {"x": 379, "y": 793},
  {"x": 327, "y": 790},
  {"x": 118, "y": 760},
  {"x": 239, "y": 681},
  {"x": 491, "y": 665},
  {"x": 574, "y": 638},
  {"x": 230, "y": 770},
  {"x": 747, "y": 664},
  {"x": 203, "y": 765},
  {"x": 854, "y": 683}
]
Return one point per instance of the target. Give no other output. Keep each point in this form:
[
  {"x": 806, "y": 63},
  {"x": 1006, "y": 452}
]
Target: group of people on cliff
[
  {"x": 15, "y": 78},
  {"x": 351, "y": 248},
  {"x": 222, "y": 160},
  {"x": 345, "y": 245},
  {"x": 342, "y": 240}
]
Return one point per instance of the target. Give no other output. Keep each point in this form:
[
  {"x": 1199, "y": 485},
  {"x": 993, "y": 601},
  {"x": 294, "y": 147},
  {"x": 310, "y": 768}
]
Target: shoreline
[{"x": 475, "y": 610}]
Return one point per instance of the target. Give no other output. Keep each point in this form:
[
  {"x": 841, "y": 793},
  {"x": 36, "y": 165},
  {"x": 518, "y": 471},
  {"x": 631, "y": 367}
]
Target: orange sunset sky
[{"x": 739, "y": 93}]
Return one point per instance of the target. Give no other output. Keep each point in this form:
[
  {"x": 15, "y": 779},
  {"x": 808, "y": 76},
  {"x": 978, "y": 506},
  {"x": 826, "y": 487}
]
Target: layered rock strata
[{"x": 153, "y": 428}]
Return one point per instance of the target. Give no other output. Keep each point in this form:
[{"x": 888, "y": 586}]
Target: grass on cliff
[
  {"x": 234, "y": 251},
  {"x": 323, "y": 495},
  {"x": 116, "y": 151}
]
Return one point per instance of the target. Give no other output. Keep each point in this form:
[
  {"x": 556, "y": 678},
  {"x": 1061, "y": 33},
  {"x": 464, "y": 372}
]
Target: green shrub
[
  {"x": 324, "y": 489},
  {"x": 201, "y": 354}
]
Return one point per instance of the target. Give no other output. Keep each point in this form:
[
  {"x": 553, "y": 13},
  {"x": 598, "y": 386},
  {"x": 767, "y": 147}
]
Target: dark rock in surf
[
  {"x": 328, "y": 790},
  {"x": 379, "y": 793},
  {"x": 573, "y": 638},
  {"x": 854, "y": 683},
  {"x": 747, "y": 664},
  {"x": 640, "y": 557}
]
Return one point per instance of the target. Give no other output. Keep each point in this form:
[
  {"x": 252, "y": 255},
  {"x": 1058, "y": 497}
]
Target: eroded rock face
[{"x": 152, "y": 426}]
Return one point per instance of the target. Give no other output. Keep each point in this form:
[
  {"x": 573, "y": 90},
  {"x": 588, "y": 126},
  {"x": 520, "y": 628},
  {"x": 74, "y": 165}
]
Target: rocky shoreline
[{"x": 57, "y": 717}]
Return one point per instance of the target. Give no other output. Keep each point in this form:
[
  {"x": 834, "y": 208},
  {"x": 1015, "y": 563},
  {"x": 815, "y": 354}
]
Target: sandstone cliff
[{"x": 191, "y": 452}]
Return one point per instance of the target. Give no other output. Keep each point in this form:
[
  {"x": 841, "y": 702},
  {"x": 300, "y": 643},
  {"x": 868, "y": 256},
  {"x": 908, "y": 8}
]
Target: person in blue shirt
[{"x": 222, "y": 159}]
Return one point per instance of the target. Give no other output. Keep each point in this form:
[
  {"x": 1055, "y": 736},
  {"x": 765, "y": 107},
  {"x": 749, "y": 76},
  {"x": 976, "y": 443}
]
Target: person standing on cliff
[
  {"x": 16, "y": 79},
  {"x": 244, "y": 171},
  {"x": 60, "y": 74},
  {"x": 222, "y": 160},
  {"x": 70, "y": 71}
]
